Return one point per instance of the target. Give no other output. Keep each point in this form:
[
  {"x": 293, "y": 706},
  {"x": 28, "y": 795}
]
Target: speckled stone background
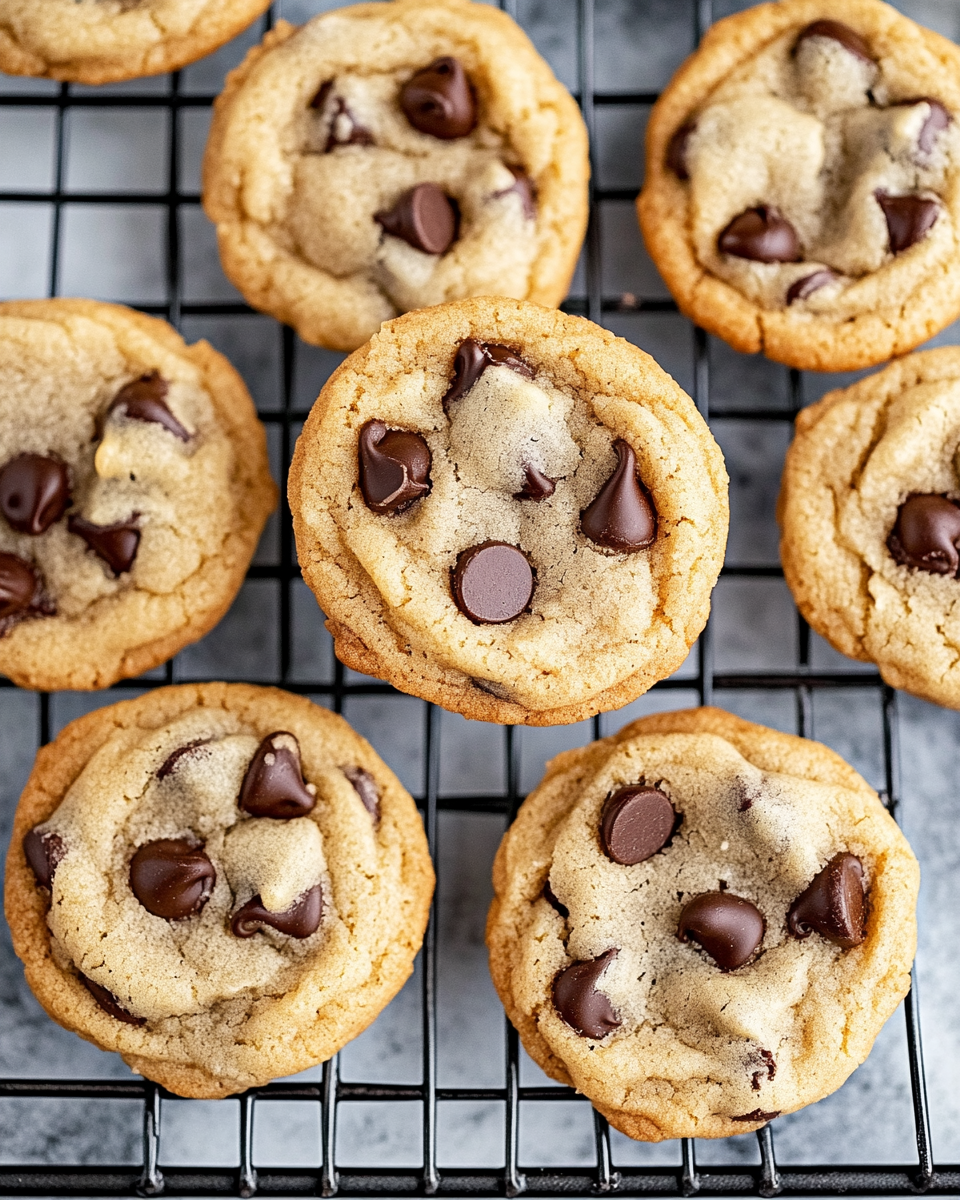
[{"x": 116, "y": 252}]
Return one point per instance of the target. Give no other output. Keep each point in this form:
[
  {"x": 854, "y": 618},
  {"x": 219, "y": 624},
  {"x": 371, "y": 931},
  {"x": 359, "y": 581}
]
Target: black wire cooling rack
[{"x": 329, "y": 1179}]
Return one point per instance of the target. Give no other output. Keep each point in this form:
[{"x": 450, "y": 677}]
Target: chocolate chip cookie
[
  {"x": 802, "y": 191},
  {"x": 386, "y": 157},
  {"x": 509, "y": 511},
  {"x": 133, "y": 488},
  {"x": 701, "y": 923},
  {"x": 103, "y": 41},
  {"x": 223, "y": 883}
]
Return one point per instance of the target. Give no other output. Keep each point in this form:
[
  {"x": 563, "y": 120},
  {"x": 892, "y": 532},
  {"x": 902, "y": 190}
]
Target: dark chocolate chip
[
  {"x": 273, "y": 785},
  {"x": 354, "y": 135},
  {"x": 492, "y": 583},
  {"x": 116, "y": 544},
  {"x": 172, "y": 877},
  {"x": 848, "y": 38},
  {"x": 44, "y": 852},
  {"x": 19, "y": 586},
  {"x": 473, "y": 358},
  {"x": 109, "y": 1003},
  {"x": 424, "y": 217},
  {"x": 800, "y": 289},
  {"x": 635, "y": 823},
  {"x": 145, "y": 400},
  {"x": 926, "y": 534},
  {"x": 299, "y": 921},
  {"x": 550, "y": 897},
  {"x": 833, "y": 905},
  {"x": 394, "y": 467},
  {"x": 34, "y": 492},
  {"x": 677, "y": 151},
  {"x": 579, "y": 1003},
  {"x": 173, "y": 760},
  {"x": 909, "y": 219},
  {"x": 761, "y": 234},
  {"x": 937, "y": 120},
  {"x": 523, "y": 186},
  {"x": 321, "y": 94},
  {"x": 757, "y": 1115},
  {"x": 621, "y": 516},
  {"x": 366, "y": 788},
  {"x": 769, "y": 1069},
  {"x": 536, "y": 485},
  {"x": 439, "y": 100},
  {"x": 727, "y": 927}
]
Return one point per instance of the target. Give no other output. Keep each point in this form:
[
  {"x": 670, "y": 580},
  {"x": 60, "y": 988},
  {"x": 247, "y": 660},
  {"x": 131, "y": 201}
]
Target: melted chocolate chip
[
  {"x": 551, "y": 899},
  {"x": 366, "y": 788},
  {"x": 273, "y": 785},
  {"x": 761, "y": 234},
  {"x": 300, "y": 920},
  {"x": 727, "y": 927},
  {"x": 172, "y": 877},
  {"x": 909, "y": 219},
  {"x": 19, "y": 586},
  {"x": 321, "y": 94},
  {"x": 800, "y": 289},
  {"x": 621, "y": 517},
  {"x": 171, "y": 763},
  {"x": 345, "y": 129},
  {"x": 145, "y": 400},
  {"x": 116, "y": 544},
  {"x": 936, "y": 121},
  {"x": 757, "y": 1115},
  {"x": 677, "y": 151},
  {"x": 34, "y": 492},
  {"x": 579, "y": 1003},
  {"x": 109, "y": 1003},
  {"x": 492, "y": 583},
  {"x": 769, "y": 1068},
  {"x": 833, "y": 904},
  {"x": 439, "y": 100},
  {"x": 44, "y": 852},
  {"x": 635, "y": 823},
  {"x": 523, "y": 186},
  {"x": 836, "y": 31},
  {"x": 926, "y": 535},
  {"x": 536, "y": 485},
  {"x": 394, "y": 467},
  {"x": 424, "y": 217},
  {"x": 473, "y": 358}
]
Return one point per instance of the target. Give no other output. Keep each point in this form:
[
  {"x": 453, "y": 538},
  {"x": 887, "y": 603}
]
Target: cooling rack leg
[
  {"x": 690, "y": 1179},
  {"x": 329, "y": 1181},
  {"x": 431, "y": 1177},
  {"x": 514, "y": 1181},
  {"x": 608, "y": 1180},
  {"x": 248, "y": 1176},
  {"x": 770, "y": 1182},
  {"x": 151, "y": 1180}
]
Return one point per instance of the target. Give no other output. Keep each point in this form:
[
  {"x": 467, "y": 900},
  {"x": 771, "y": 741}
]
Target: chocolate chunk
[
  {"x": 109, "y": 1003},
  {"x": 848, "y": 38},
  {"x": 761, "y": 234},
  {"x": 273, "y": 785},
  {"x": 926, "y": 534},
  {"x": 394, "y": 467},
  {"x": 536, "y": 485},
  {"x": 578, "y": 1002},
  {"x": 677, "y": 151},
  {"x": 366, "y": 788},
  {"x": 424, "y": 217},
  {"x": 621, "y": 516},
  {"x": 727, "y": 927},
  {"x": 145, "y": 400},
  {"x": 439, "y": 100},
  {"x": 635, "y": 823},
  {"x": 833, "y": 904},
  {"x": 492, "y": 583},
  {"x": 116, "y": 544},
  {"x": 473, "y": 358},
  {"x": 34, "y": 492},
  {"x": 523, "y": 186},
  {"x": 757, "y": 1115},
  {"x": 800, "y": 289},
  {"x": 551, "y": 899},
  {"x": 769, "y": 1068},
  {"x": 44, "y": 852},
  {"x": 299, "y": 921},
  {"x": 172, "y": 761},
  {"x": 909, "y": 219},
  {"x": 172, "y": 877},
  {"x": 19, "y": 586}
]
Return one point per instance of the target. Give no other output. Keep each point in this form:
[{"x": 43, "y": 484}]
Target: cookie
[
  {"x": 701, "y": 923},
  {"x": 802, "y": 191},
  {"x": 223, "y": 883},
  {"x": 386, "y": 157},
  {"x": 509, "y": 511},
  {"x": 133, "y": 488},
  {"x": 103, "y": 41}
]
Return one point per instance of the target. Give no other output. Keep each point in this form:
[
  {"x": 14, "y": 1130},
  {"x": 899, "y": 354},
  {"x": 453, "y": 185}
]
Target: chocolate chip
[
  {"x": 145, "y": 400},
  {"x": 19, "y": 586},
  {"x": 926, "y": 534},
  {"x": 833, "y": 904},
  {"x": 366, "y": 788},
  {"x": 635, "y": 823},
  {"x": 677, "y": 151},
  {"x": 836, "y": 31},
  {"x": 536, "y": 485},
  {"x": 300, "y": 920},
  {"x": 800, "y": 289},
  {"x": 321, "y": 94},
  {"x": 172, "y": 877},
  {"x": 551, "y": 899},
  {"x": 439, "y": 100},
  {"x": 936, "y": 121},
  {"x": 273, "y": 785},
  {"x": 473, "y": 358},
  {"x": 173, "y": 760},
  {"x": 761, "y": 234},
  {"x": 345, "y": 129},
  {"x": 44, "y": 852},
  {"x": 621, "y": 516},
  {"x": 116, "y": 544},
  {"x": 492, "y": 583},
  {"x": 523, "y": 186},
  {"x": 394, "y": 467},
  {"x": 424, "y": 217},
  {"x": 757, "y": 1115},
  {"x": 578, "y": 1002},
  {"x": 769, "y": 1067},
  {"x": 109, "y": 1003},
  {"x": 34, "y": 492},
  {"x": 909, "y": 219},
  {"x": 727, "y": 927}
]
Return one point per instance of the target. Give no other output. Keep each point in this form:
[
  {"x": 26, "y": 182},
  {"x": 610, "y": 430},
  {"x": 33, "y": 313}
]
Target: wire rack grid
[{"x": 803, "y": 681}]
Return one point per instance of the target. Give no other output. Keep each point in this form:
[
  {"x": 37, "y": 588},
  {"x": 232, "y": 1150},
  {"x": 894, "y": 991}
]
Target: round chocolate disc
[
  {"x": 635, "y": 823},
  {"x": 492, "y": 583}
]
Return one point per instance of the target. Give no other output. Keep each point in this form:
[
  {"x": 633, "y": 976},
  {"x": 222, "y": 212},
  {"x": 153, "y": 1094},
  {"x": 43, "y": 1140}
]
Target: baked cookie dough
[
  {"x": 103, "y": 41},
  {"x": 510, "y": 512},
  {"x": 802, "y": 191},
  {"x": 223, "y": 883},
  {"x": 386, "y": 157},
  {"x": 701, "y": 923},
  {"x": 133, "y": 488}
]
